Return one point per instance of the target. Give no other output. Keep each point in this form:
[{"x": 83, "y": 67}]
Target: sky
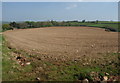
[
  {"x": 60, "y": 0},
  {"x": 44, "y": 11}
]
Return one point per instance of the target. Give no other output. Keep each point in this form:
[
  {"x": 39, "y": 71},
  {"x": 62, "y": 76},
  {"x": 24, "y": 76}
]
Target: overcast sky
[{"x": 42, "y": 11}]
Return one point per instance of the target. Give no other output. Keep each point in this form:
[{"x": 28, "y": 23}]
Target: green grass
[
  {"x": 115, "y": 26},
  {"x": 0, "y": 57},
  {"x": 108, "y": 22},
  {"x": 111, "y": 25},
  {"x": 73, "y": 71},
  {"x": 11, "y": 70},
  {"x": 100, "y": 24}
]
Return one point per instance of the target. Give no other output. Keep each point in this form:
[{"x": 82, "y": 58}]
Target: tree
[
  {"x": 22, "y": 25},
  {"x": 54, "y": 23},
  {"x": 13, "y": 24},
  {"x": 30, "y": 23},
  {"x": 83, "y": 21},
  {"x": 36, "y": 25},
  {"x": 6, "y": 27},
  {"x": 96, "y": 21}
]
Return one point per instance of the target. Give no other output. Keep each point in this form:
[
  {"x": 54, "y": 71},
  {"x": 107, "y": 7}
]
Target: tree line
[{"x": 32, "y": 24}]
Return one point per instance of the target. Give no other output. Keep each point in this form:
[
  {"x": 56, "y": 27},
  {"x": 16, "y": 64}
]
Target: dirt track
[{"x": 64, "y": 42}]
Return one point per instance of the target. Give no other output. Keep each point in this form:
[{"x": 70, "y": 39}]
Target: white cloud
[{"x": 71, "y": 6}]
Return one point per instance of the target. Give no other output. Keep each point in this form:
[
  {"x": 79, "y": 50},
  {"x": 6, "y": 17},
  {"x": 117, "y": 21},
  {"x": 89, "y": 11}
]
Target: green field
[
  {"x": 32, "y": 24},
  {"x": 102, "y": 24},
  {"x": 114, "y": 26}
]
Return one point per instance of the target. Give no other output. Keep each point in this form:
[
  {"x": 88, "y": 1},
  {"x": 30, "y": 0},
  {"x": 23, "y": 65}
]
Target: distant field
[
  {"x": 115, "y": 26},
  {"x": 60, "y": 53},
  {"x": 103, "y": 24},
  {"x": 31, "y": 24}
]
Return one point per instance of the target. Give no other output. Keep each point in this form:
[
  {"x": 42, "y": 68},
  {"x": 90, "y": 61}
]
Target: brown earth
[{"x": 65, "y": 43}]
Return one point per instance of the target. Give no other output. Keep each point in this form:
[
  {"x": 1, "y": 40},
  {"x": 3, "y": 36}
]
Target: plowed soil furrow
[{"x": 71, "y": 42}]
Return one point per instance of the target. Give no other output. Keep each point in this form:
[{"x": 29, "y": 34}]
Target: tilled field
[
  {"x": 65, "y": 43},
  {"x": 61, "y": 53}
]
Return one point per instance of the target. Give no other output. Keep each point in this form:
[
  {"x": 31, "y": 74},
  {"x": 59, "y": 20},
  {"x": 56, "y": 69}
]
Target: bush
[{"x": 6, "y": 27}]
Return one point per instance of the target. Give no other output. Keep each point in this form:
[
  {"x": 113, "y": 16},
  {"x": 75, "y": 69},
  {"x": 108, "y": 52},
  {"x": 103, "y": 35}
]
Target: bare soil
[{"x": 63, "y": 43}]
